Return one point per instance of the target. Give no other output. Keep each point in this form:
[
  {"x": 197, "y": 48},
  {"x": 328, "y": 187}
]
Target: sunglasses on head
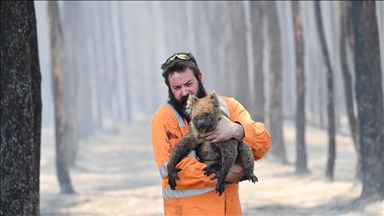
[{"x": 179, "y": 56}]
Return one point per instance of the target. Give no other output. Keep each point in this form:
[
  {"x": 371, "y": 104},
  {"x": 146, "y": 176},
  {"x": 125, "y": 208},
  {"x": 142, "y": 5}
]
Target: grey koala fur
[{"x": 220, "y": 156}]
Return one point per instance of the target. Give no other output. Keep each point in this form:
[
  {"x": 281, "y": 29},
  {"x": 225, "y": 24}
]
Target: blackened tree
[
  {"x": 20, "y": 109},
  {"x": 369, "y": 97}
]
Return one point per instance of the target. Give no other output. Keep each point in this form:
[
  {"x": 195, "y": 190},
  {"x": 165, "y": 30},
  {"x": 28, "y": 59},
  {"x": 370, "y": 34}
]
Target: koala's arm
[
  {"x": 165, "y": 134},
  {"x": 187, "y": 143},
  {"x": 255, "y": 133}
]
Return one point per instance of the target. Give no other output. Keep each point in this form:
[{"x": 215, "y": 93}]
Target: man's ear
[{"x": 200, "y": 76}]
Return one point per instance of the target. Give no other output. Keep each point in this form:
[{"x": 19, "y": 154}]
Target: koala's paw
[
  {"x": 172, "y": 176},
  {"x": 220, "y": 187},
  {"x": 250, "y": 177},
  {"x": 212, "y": 168},
  {"x": 207, "y": 172}
]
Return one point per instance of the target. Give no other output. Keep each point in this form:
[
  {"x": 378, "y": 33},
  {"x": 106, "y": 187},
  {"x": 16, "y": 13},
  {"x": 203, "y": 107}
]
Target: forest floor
[{"x": 116, "y": 174}]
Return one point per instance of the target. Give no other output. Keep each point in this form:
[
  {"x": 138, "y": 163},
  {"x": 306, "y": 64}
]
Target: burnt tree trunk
[
  {"x": 369, "y": 96},
  {"x": 21, "y": 109},
  {"x": 61, "y": 124},
  {"x": 258, "y": 46},
  {"x": 278, "y": 152},
  {"x": 301, "y": 155},
  {"x": 347, "y": 78},
  {"x": 330, "y": 96}
]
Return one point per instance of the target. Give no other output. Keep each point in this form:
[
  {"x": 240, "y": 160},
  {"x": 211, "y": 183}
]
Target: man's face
[{"x": 181, "y": 84}]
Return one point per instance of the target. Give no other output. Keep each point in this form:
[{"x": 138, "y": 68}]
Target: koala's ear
[{"x": 214, "y": 98}]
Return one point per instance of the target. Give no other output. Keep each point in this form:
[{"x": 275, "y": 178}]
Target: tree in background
[
  {"x": 369, "y": 97},
  {"x": 278, "y": 152},
  {"x": 61, "y": 122},
  {"x": 21, "y": 109},
  {"x": 301, "y": 155},
  {"x": 330, "y": 96},
  {"x": 257, "y": 20},
  {"x": 347, "y": 79},
  {"x": 70, "y": 55},
  {"x": 215, "y": 27},
  {"x": 83, "y": 35},
  {"x": 122, "y": 34},
  {"x": 235, "y": 52}
]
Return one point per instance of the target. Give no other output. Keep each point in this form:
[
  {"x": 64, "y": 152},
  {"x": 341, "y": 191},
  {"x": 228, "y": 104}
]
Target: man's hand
[
  {"x": 225, "y": 130},
  {"x": 235, "y": 173}
]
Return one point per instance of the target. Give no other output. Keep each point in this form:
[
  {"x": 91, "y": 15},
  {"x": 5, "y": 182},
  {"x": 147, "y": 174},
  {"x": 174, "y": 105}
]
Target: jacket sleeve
[
  {"x": 165, "y": 134},
  {"x": 256, "y": 134}
]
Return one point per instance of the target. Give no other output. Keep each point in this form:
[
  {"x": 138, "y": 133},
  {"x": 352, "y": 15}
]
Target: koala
[{"x": 220, "y": 156}]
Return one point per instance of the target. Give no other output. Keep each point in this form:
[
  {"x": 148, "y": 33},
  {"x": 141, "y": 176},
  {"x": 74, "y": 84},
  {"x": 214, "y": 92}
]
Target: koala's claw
[
  {"x": 220, "y": 187},
  {"x": 214, "y": 177},
  {"x": 206, "y": 171},
  {"x": 172, "y": 177},
  {"x": 250, "y": 177}
]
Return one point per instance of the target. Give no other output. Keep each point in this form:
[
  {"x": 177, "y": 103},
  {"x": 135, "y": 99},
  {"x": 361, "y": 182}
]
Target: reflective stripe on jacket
[{"x": 195, "y": 192}]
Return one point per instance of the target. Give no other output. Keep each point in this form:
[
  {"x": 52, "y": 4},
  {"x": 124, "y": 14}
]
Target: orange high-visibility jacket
[{"x": 195, "y": 193}]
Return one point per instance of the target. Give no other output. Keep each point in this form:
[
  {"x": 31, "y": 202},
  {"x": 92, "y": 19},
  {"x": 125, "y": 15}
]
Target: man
[{"x": 195, "y": 193}]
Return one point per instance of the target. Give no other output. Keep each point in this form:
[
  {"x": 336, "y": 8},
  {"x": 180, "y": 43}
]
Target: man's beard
[{"x": 180, "y": 105}]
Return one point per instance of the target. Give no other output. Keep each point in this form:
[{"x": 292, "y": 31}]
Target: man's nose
[{"x": 184, "y": 92}]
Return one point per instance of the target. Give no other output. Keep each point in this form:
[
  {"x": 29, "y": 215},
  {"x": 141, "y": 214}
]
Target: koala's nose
[{"x": 202, "y": 125}]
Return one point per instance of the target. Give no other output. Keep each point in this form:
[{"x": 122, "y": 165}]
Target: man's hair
[{"x": 178, "y": 65}]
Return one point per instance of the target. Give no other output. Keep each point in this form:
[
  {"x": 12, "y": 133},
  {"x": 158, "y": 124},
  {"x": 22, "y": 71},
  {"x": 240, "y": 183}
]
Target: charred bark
[{"x": 21, "y": 109}]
